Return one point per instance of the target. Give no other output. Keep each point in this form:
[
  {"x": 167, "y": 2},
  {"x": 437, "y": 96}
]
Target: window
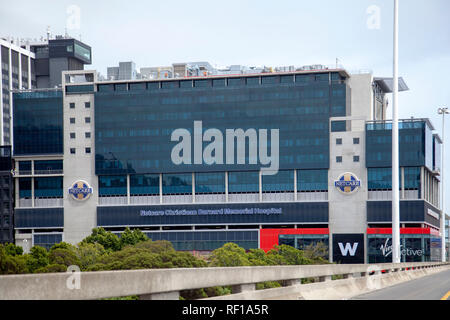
[
  {"x": 144, "y": 184},
  {"x": 355, "y": 140},
  {"x": 72, "y": 135},
  {"x": 87, "y": 105},
  {"x": 72, "y": 105},
  {"x": 312, "y": 180},
  {"x": 252, "y": 81},
  {"x": 283, "y": 181},
  {"x": 87, "y": 119},
  {"x": 72, "y": 120},
  {"x": 112, "y": 185},
  {"x": 180, "y": 183},
  {"x": 243, "y": 182},
  {"x": 338, "y": 159},
  {"x": 72, "y": 150},
  {"x": 87, "y": 135},
  {"x": 355, "y": 158},
  {"x": 232, "y": 82},
  {"x": 210, "y": 182},
  {"x": 88, "y": 150},
  {"x": 339, "y": 141}
]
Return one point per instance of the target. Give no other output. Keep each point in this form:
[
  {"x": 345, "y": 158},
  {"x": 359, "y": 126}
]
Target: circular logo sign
[
  {"x": 347, "y": 183},
  {"x": 80, "y": 190}
]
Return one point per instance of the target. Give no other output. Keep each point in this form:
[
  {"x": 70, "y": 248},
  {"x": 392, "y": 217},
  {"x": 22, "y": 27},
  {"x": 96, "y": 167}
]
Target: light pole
[
  {"x": 443, "y": 111},
  {"x": 395, "y": 156}
]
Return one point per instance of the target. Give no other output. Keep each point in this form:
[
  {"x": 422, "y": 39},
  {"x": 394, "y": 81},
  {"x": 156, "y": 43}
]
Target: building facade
[{"x": 294, "y": 158}]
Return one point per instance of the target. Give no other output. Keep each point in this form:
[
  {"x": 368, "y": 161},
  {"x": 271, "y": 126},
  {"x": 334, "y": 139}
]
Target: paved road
[{"x": 432, "y": 287}]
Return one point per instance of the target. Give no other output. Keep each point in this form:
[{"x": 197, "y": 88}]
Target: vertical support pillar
[
  {"x": 403, "y": 182},
  {"x": 260, "y": 186},
  {"x": 160, "y": 188},
  {"x": 226, "y": 186},
  {"x": 128, "y": 189},
  {"x": 32, "y": 192},
  {"x": 295, "y": 185},
  {"x": 193, "y": 187}
]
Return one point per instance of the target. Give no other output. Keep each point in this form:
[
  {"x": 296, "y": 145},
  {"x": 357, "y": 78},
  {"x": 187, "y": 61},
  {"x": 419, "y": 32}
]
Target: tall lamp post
[
  {"x": 395, "y": 156},
  {"x": 443, "y": 111}
]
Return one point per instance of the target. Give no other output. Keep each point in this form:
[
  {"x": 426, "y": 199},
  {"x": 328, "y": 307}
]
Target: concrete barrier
[{"x": 167, "y": 283}]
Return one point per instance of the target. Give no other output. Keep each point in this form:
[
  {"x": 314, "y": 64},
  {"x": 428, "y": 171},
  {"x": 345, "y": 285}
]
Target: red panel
[
  {"x": 403, "y": 231},
  {"x": 269, "y": 237}
]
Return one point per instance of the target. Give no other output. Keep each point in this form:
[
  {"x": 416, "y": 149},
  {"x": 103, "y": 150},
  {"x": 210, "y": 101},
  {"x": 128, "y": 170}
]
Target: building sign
[
  {"x": 386, "y": 250},
  {"x": 221, "y": 211},
  {"x": 348, "y": 248},
  {"x": 80, "y": 190},
  {"x": 347, "y": 183}
]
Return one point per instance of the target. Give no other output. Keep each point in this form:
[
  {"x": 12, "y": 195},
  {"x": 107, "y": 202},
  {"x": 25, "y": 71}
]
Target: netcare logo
[
  {"x": 386, "y": 250},
  {"x": 214, "y": 151}
]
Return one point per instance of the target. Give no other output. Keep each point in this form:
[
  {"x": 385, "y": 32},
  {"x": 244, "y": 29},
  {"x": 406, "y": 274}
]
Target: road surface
[{"x": 432, "y": 287}]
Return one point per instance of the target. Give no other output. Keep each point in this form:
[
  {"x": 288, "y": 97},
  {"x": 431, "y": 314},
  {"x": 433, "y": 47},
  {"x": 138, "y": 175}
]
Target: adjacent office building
[{"x": 186, "y": 160}]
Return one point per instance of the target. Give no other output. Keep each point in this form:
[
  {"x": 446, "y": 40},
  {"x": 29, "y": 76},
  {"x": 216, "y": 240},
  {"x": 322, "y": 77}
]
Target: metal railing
[{"x": 167, "y": 283}]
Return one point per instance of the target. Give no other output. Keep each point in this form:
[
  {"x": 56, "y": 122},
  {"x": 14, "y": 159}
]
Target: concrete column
[
  {"x": 243, "y": 288},
  {"x": 16, "y": 181},
  {"x": 29, "y": 72},
  {"x": 325, "y": 279},
  {"x": 128, "y": 189},
  {"x": 1, "y": 100},
  {"x": 226, "y": 186},
  {"x": 193, "y": 187},
  {"x": 20, "y": 70},
  {"x": 422, "y": 184},
  {"x": 292, "y": 282},
  {"x": 32, "y": 191},
  {"x": 174, "y": 295},
  {"x": 160, "y": 189},
  {"x": 295, "y": 185},
  {"x": 260, "y": 186}
]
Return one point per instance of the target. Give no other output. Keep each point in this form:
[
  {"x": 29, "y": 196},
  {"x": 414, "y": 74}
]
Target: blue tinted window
[
  {"x": 232, "y": 82},
  {"x": 252, "y": 81},
  {"x": 112, "y": 185},
  {"x": 281, "y": 182},
  {"x": 46, "y": 240},
  {"x": 201, "y": 83},
  {"x": 121, "y": 87},
  {"x": 186, "y": 84},
  {"x": 138, "y": 86},
  {"x": 38, "y": 123},
  {"x": 213, "y": 182},
  {"x": 48, "y": 166},
  {"x": 177, "y": 183},
  {"x": 153, "y": 85},
  {"x": 312, "y": 180},
  {"x": 24, "y": 188},
  {"x": 269, "y": 79},
  {"x": 218, "y": 82},
  {"x": 245, "y": 181},
  {"x": 324, "y": 77},
  {"x": 144, "y": 184},
  {"x": 412, "y": 178},
  {"x": 338, "y": 126},
  {"x": 379, "y": 178},
  {"x": 105, "y": 87},
  {"x": 169, "y": 84},
  {"x": 51, "y": 187},
  {"x": 304, "y": 78},
  {"x": 287, "y": 79},
  {"x": 80, "y": 89},
  {"x": 24, "y": 167}
]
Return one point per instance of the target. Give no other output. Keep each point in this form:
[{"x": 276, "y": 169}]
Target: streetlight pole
[
  {"x": 443, "y": 111},
  {"x": 395, "y": 150}
]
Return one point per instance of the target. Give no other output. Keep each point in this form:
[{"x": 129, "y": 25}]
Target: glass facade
[
  {"x": 302, "y": 241},
  {"x": 133, "y": 128},
  {"x": 38, "y": 123},
  {"x": 47, "y": 240},
  {"x": 49, "y": 187},
  {"x": 177, "y": 183},
  {"x": 415, "y": 140},
  {"x": 414, "y": 248},
  {"x": 48, "y": 166},
  {"x": 381, "y": 178},
  {"x": 283, "y": 181},
  {"x": 210, "y": 182},
  {"x": 207, "y": 240},
  {"x": 112, "y": 185},
  {"x": 312, "y": 180},
  {"x": 144, "y": 184},
  {"x": 243, "y": 182}
]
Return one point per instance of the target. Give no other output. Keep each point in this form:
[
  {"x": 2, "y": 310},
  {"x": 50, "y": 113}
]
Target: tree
[
  {"x": 129, "y": 237},
  {"x": 37, "y": 258},
  {"x": 13, "y": 250},
  {"x": 89, "y": 254},
  {"x": 318, "y": 253},
  {"x": 229, "y": 255},
  {"x": 108, "y": 240},
  {"x": 65, "y": 257}
]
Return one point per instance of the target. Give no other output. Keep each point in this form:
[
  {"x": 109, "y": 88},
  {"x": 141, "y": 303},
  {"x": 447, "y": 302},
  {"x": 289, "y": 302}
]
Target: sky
[{"x": 257, "y": 33}]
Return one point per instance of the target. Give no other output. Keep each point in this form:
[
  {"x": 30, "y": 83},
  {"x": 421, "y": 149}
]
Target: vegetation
[{"x": 103, "y": 250}]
